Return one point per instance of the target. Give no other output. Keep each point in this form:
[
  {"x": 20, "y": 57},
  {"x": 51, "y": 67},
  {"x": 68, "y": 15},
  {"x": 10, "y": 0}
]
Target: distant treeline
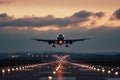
[{"x": 17, "y": 62}]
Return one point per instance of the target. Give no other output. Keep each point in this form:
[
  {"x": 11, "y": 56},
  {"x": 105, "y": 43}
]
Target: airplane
[{"x": 60, "y": 40}]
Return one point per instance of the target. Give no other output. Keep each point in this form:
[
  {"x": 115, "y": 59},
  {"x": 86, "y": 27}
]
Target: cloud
[
  {"x": 86, "y": 14},
  {"x": 50, "y": 20},
  {"x": 4, "y": 1},
  {"x": 45, "y": 28},
  {"x": 100, "y": 14},
  {"x": 116, "y": 15},
  {"x": 4, "y": 17}
]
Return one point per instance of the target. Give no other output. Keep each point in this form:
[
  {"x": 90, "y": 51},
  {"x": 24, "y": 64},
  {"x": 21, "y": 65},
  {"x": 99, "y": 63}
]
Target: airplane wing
[
  {"x": 53, "y": 41},
  {"x": 43, "y": 40},
  {"x": 75, "y": 40},
  {"x": 49, "y": 41}
]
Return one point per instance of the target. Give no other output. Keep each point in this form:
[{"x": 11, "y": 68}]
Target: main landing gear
[
  {"x": 53, "y": 46},
  {"x": 66, "y": 45}
]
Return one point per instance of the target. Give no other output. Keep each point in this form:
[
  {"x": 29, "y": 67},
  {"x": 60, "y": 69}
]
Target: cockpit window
[{"x": 60, "y": 35}]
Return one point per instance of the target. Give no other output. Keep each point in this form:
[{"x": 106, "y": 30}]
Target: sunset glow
[
  {"x": 75, "y": 18},
  {"x": 45, "y": 28}
]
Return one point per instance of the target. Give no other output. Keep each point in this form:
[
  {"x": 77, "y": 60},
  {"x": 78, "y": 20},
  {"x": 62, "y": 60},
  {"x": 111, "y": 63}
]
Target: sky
[{"x": 21, "y": 20}]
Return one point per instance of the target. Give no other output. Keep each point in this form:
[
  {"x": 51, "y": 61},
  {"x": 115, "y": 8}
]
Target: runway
[{"x": 62, "y": 70}]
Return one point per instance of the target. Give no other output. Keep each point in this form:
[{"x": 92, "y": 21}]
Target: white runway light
[
  {"x": 13, "y": 69},
  {"x": 3, "y": 71},
  {"x": 54, "y": 72},
  {"x": 8, "y": 70},
  {"x": 103, "y": 70},
  {"x": 98, "y": 69},
  {"x": 22, "y": 67},
  {"x": 94, "y": 68},
  {"x": 109, "y": 71},
  {"x": 112, "y": 69},
  {"x": 49, "y": 77},
  {"x": 17, "y": 69},
  {"x": 116, "y": 73}
]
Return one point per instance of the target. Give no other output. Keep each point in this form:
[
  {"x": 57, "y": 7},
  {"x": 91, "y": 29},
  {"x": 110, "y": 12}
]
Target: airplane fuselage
[{"x": 60, "y": 39}]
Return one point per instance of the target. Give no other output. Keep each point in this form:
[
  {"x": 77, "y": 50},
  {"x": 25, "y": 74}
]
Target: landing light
[{"x": 60, "y": 42}]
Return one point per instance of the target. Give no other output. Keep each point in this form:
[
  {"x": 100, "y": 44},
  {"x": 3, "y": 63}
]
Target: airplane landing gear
[
  {"x": 53, "y": 45},
  {"x": 66, "y": 45}
]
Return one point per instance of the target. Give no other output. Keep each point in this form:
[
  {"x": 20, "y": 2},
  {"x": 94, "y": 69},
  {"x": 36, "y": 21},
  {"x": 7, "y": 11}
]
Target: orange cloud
[
  {"x": 82, "y": 19},
  {"x": 22, "y": 28},
  {"x": 45, "y": 28},
  {"x": 113, "y": 23},
  {"x": 16, "y": 28}
]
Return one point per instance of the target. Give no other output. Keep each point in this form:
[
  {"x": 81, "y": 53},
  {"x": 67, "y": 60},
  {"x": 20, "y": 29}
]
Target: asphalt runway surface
[{"x": 60, "y": 71}]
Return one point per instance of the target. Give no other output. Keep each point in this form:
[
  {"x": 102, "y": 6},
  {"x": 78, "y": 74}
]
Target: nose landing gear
[
  {"x": 66, "y": 45},
  {"x": 53, "y": 46}
]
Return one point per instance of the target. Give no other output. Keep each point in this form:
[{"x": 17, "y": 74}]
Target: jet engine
[
  {"x": 70, "y": 42},
  {"x": 49, "y": 42}
]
